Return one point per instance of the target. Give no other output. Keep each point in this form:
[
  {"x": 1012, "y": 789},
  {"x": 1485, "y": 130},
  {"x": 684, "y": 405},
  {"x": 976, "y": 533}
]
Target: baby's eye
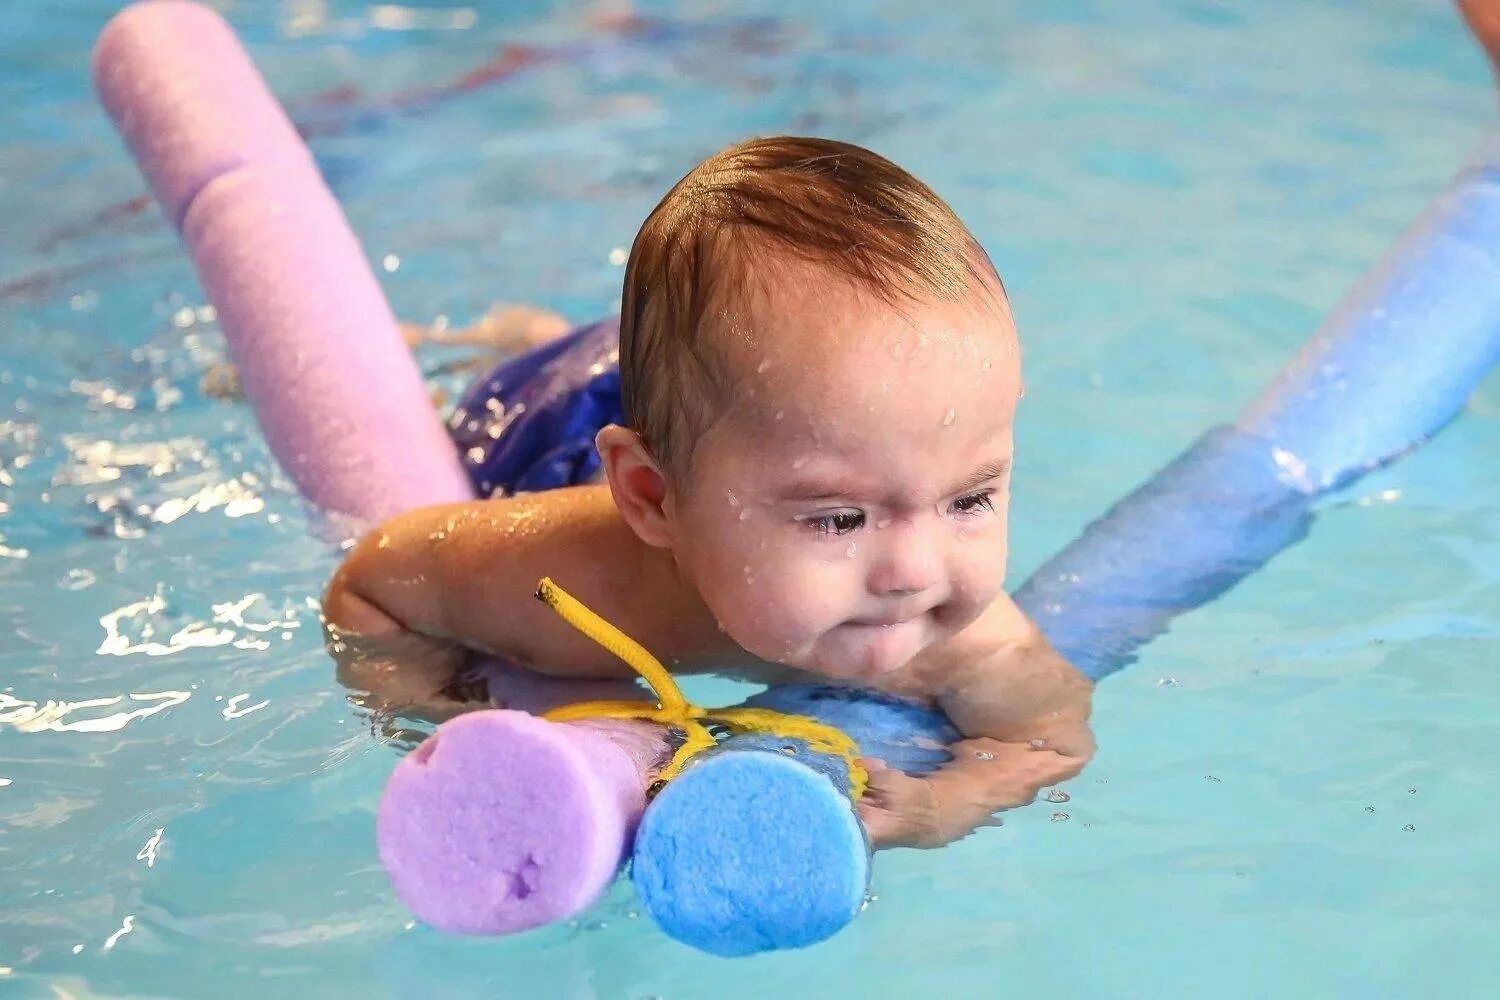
[
  {"x": 974, "y": 503},
  {"x": 840, "y": 523}
]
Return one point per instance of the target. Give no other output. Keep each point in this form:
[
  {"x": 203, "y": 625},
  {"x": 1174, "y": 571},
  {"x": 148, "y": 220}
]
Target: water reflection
[{"x": 64, "y": 716}]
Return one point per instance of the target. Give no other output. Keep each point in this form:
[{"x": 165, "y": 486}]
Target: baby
[{"x": 820, "y": 375}]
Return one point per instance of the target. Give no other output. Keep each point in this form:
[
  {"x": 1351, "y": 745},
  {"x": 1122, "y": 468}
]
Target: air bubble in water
[
  {"x": 1057, "y": 795},
  {"x": 78, "y": 579}
]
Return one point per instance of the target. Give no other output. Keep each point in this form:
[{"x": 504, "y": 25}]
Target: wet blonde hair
[{"x": 718, "y": 235}]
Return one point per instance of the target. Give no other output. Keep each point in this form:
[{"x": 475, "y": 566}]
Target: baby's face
[{"x": 850, "y": 508}]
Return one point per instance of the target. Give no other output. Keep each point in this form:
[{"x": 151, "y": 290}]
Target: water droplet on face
[
  {"x": 1057, "y": 795},
  {"x": 987, "y": 365},
  {"x": 949, "y": 417},
  {"x": 780, "y": 414},
  {"x": 849, "y": 552},
  {"x": 1038, "y": 744},
  {"x": 983, "y": 755},
  {"x": 745, "y": 514},
  {"x": 798, "y": 463},
  {"x": 734, "y": 501},
  {"x": 763, "y": 367},
  {"x": 883, "y": 523}
]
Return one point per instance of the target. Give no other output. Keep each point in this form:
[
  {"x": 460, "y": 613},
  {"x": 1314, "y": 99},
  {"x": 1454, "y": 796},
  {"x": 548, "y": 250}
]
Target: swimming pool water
[{"x": 1290, "y": 795}]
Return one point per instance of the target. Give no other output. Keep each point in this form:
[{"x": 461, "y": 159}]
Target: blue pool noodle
[{"x": 755, "y": 846}]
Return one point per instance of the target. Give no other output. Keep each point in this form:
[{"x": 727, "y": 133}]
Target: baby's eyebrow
[
  {"x": 983, "y": 474},
  {"x": 818, "y": 489},
  {"x": 824, "y": 489}
]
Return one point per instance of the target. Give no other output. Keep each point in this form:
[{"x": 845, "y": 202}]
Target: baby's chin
[{"x": 858, "y": 652}]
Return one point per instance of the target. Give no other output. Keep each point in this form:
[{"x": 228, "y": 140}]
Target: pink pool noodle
[
  {"x": 320, "y": 355},
  {"x": 503, "y": 821}
]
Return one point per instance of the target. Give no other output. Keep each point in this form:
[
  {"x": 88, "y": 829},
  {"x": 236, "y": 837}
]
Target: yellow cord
[{"x": 672, "y": 709}]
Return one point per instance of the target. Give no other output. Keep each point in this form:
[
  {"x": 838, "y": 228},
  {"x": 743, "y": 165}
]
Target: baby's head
[{"x": 820, "y": 376}]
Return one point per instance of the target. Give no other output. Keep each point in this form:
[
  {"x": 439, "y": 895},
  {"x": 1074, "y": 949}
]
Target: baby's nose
[{"x": 906, "y": 562}]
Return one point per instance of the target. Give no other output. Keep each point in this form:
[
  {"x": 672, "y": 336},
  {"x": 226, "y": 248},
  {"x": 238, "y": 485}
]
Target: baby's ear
[{"x": 637, "y": 483}]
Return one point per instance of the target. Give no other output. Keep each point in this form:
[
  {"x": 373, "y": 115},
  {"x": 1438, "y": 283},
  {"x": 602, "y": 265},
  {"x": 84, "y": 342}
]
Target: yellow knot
[{"x": 672, "y": 709}]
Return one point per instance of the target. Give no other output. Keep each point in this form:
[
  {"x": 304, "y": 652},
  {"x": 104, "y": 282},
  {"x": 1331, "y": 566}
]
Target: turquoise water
[{"x": 1289, "y": 797}]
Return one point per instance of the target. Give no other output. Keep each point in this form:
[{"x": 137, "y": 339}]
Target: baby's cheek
[
  {"x": 979, "y": 572},
  {"x": 795, "y": 600}
]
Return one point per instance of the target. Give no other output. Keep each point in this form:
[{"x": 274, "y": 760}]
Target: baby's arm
[
  {"x": 422, "y": 590},
  {"x": 1024, "y": 714}
]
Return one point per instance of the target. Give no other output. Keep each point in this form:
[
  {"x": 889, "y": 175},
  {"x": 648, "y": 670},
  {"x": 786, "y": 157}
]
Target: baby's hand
[
  {"x": 901, "y": 811},
  {"x": 984, "y": 777},
  {"x": 897, "y": 809}
]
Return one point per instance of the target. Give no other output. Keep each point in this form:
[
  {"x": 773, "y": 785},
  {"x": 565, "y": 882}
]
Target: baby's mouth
[{"x": 887, "y": 621}]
